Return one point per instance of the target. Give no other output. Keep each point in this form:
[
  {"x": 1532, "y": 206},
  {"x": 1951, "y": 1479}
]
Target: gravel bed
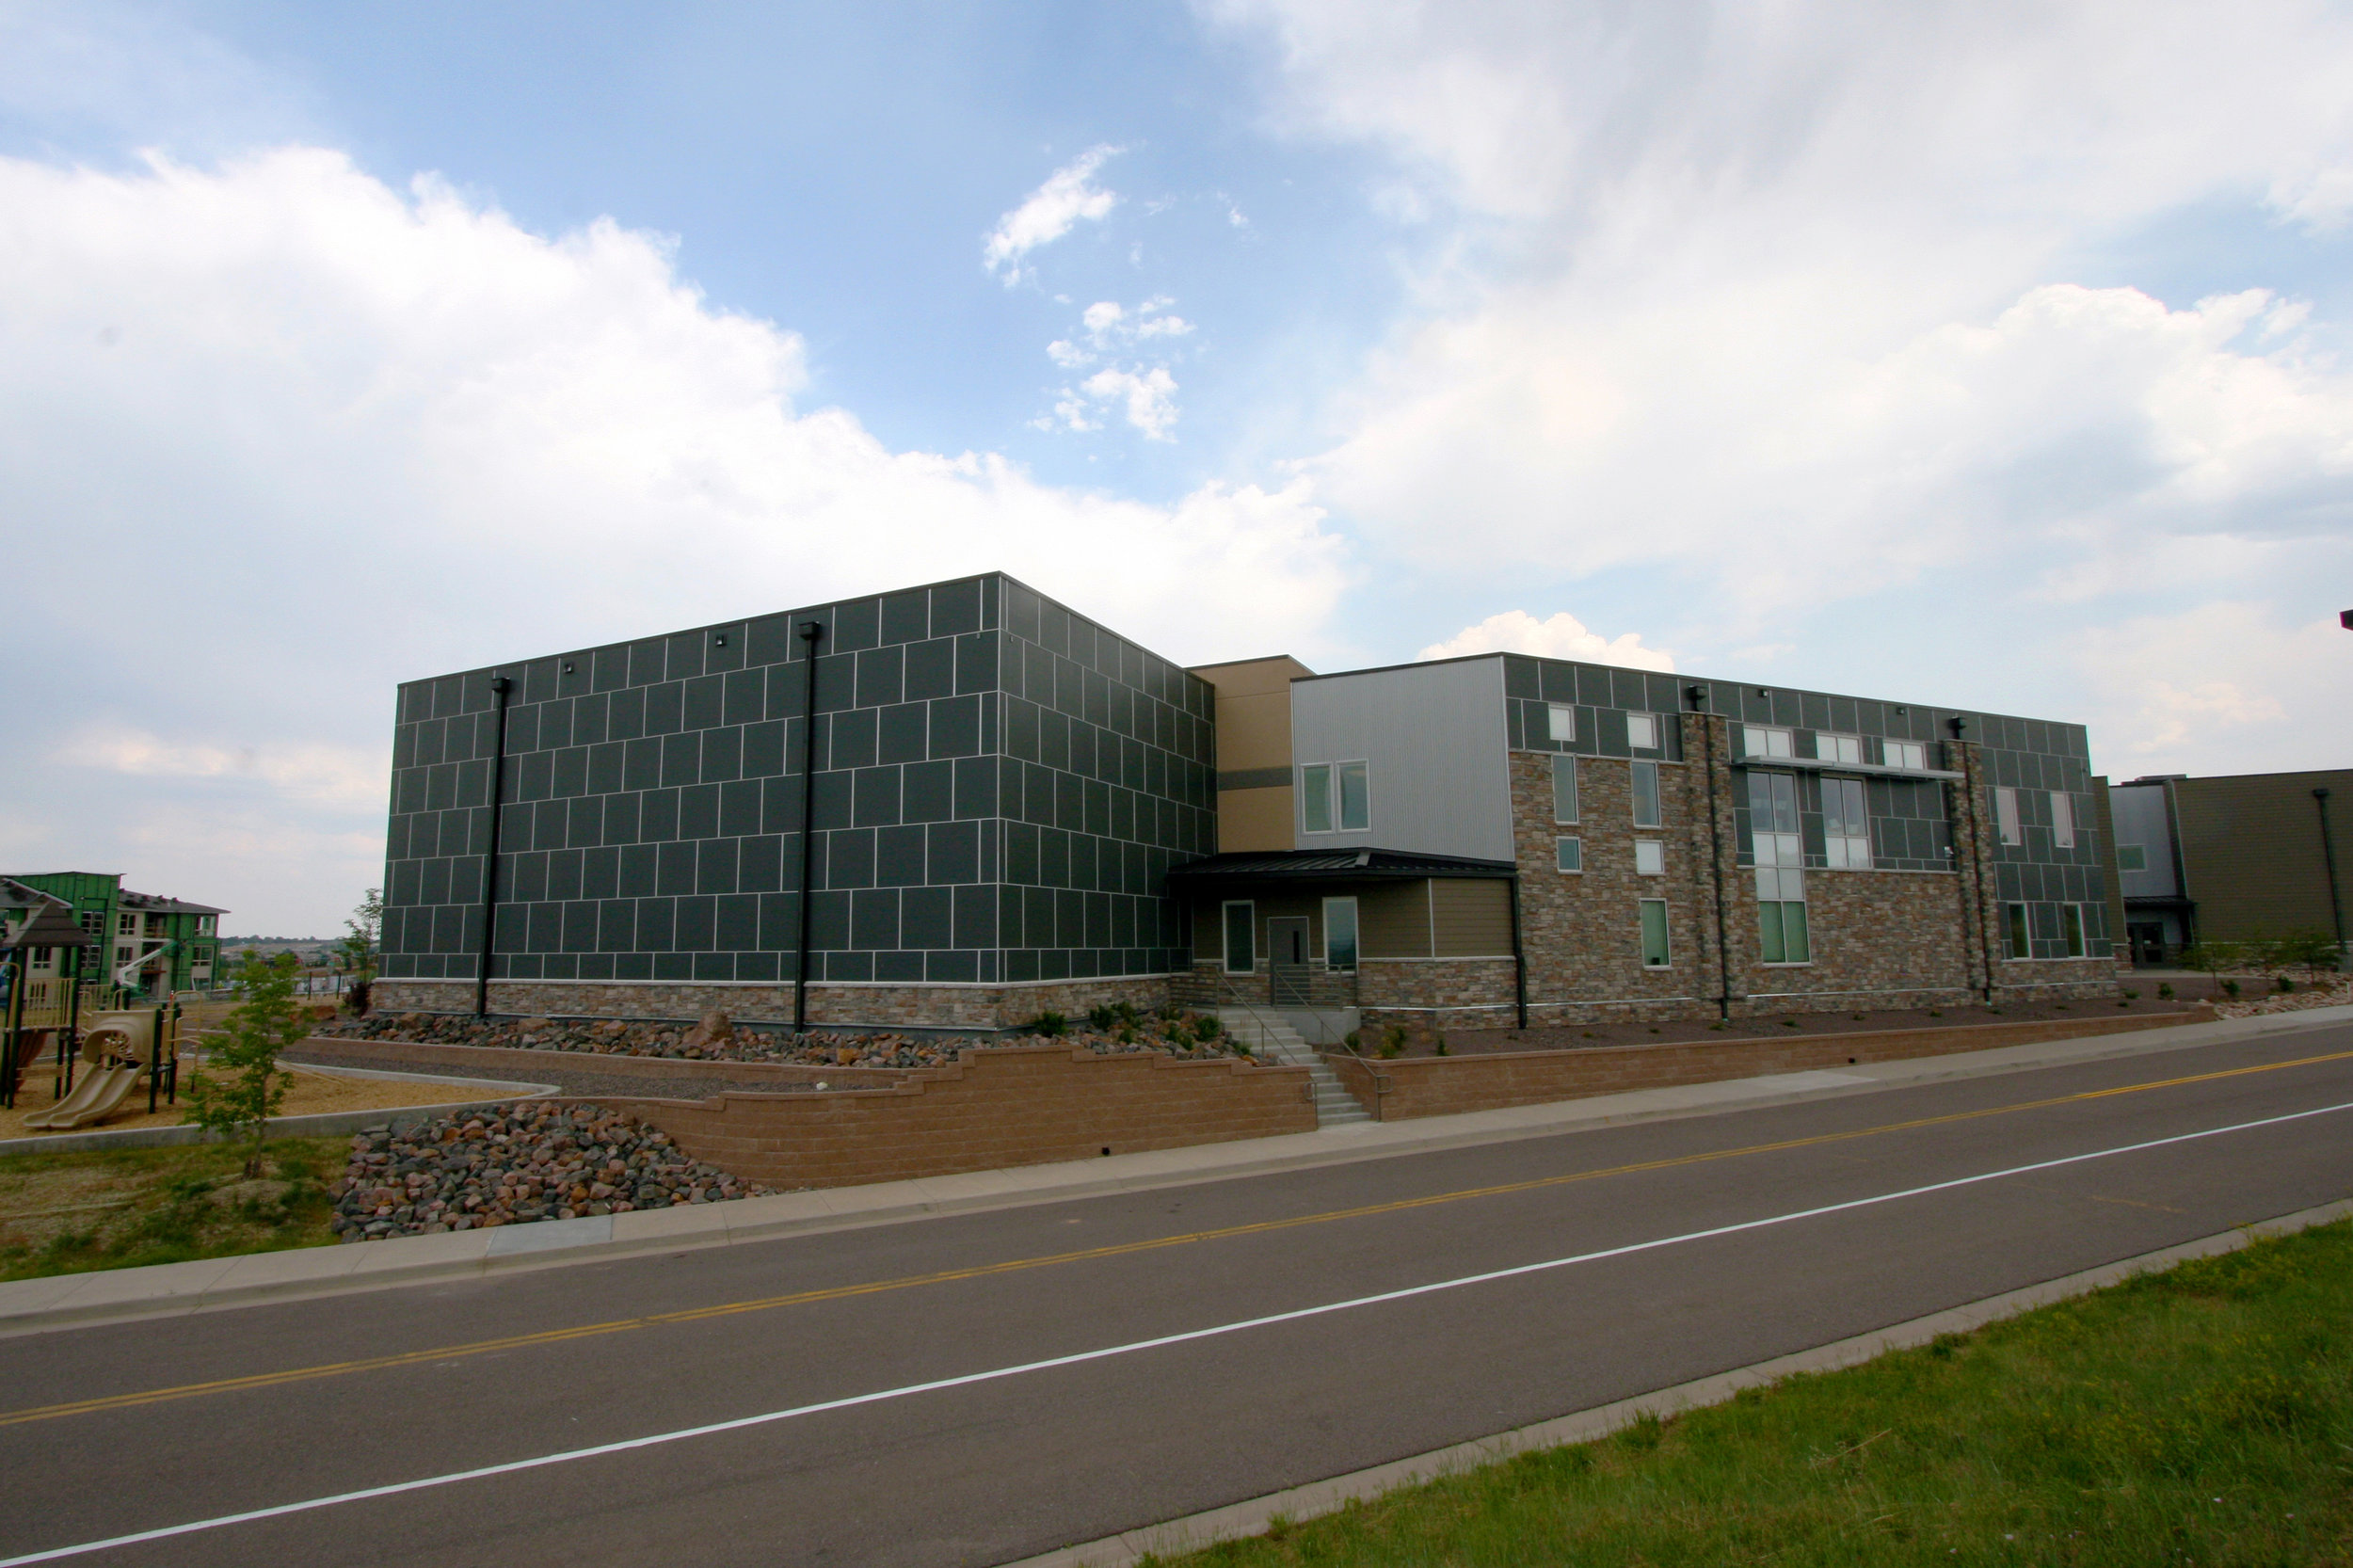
[
  {"x": 1172, "y": 1031},
  {"x": 513, "y": 1164}
]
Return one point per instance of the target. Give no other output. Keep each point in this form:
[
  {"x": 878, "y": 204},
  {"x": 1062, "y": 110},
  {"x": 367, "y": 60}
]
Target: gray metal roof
[{"x": 1336, "y": 865}]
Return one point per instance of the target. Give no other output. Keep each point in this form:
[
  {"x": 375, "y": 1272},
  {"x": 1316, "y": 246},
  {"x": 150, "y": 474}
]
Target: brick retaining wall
[
  {"x": 1408, "y": 1087},
  {"x": 1022, "y": 1105},
  {"x": 521, "y": 1062},
  {"x": 831, "y": 1005}
]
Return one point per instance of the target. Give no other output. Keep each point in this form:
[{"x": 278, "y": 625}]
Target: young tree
[
  {"x": 2312, "y": 948},
  {"x": 358, "y": 947},
  {"x": 2212, "y": 957},
  {"x": 267, "y": 1022}
]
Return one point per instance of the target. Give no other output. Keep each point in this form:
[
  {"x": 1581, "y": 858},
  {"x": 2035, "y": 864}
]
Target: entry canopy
[{"x": 1334, "y": 865}]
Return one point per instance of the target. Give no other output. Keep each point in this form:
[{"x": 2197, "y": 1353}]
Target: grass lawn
[
  {"x": 119, "y": 1208},
  {"x": 2202, "y": 1415}
]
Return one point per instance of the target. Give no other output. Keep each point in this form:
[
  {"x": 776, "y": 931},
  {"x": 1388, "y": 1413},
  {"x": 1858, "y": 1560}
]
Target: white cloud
[
  {"x": 331, "y": 436},
  {"x": 1144, "y": 387},
  {"x": 1561, "y": 636},
  {"x": 1050, "y": 212},
  {"x": 1149, "y": 397},
  {"x": 2233, "y": 686}
]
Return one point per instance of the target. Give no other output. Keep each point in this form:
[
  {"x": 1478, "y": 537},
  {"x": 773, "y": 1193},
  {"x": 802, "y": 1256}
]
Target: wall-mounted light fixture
[
  {"x": 718, "y": 639},
  {"x": 567, "y": 666}
]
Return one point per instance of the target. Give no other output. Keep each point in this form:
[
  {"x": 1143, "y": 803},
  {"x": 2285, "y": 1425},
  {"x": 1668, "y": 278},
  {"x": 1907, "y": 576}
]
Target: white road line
[{"x": 741, "y": 1422}]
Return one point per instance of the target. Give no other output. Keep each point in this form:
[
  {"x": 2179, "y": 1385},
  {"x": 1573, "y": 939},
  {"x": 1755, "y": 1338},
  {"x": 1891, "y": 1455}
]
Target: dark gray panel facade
[{"x": 1001, "y": 788}]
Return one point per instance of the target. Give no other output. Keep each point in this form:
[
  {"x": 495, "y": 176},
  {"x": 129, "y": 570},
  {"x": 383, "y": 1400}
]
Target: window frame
[
  {"x": 1355, "y": 933},
  {"x": 2074, "y": 931},
  {"x": 1665, "y": 946},
  {"x": 1840, "y": 748},
  {"x": 1564, "y": 769},
  {"x": 1226, "y": 934},
  {"x": 1565, "y": 847},
  {"x": 2018, "y": 930},
  {"x": 2139, "y": 858},
  {"x": 1773, "y": 931},
  {"x": 1641, "y": 794},
  {"x": 1363, "y": 773},
  {"x": 1904, "y": 753},
  {"x": 1649, "y": 722},
  {"x": 1315, "y": 790},
  {"x": 2062, "y": 820},
  {"x": 1657, "y": 848},
  {"x": 1838, "y": 848},
  {"x": 2007, "y": 825},
  {"x": 1558, "y": 716},
  {"x": 1751, "y": 734}
]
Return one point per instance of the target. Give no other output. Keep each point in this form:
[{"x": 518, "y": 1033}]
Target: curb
[
  {"x": 170, "y": 1289},
  {"x": 1236, "y": 1521}
]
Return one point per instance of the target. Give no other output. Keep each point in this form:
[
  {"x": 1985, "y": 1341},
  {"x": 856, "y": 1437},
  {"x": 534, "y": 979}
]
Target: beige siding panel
[
  {"x": 1472, "y": 917},
  {"x": 1393, "y": 920},
  {"x": 1253, "y": 820}
]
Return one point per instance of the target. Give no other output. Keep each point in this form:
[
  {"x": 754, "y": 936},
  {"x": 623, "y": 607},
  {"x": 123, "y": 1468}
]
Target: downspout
[
  {"x": 1698, "y": 694},
  {"x": 1972, "y": 778},
  {"x": 1519, "y": 955},
  {"x": 810, "y": 633},
  {"x": 499, "y": 685},
  {"x": 2328, "y": 859}
]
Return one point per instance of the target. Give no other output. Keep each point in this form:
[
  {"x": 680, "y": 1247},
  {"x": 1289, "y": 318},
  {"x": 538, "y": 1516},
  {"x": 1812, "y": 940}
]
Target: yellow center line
[{"x": 982, "y": 1270}]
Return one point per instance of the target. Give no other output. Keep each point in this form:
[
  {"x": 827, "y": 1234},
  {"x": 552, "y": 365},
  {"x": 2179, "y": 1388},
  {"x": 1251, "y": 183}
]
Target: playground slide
[{"x": 95, "y": 1098}]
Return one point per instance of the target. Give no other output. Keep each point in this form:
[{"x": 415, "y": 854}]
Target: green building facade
[{"x": 148, "y": 945}]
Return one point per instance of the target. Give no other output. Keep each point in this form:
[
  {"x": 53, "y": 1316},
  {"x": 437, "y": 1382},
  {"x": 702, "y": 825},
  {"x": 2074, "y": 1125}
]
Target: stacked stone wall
[
  {"x": 997, "y": 1109},
  {"x": 831, "y": 1005}
]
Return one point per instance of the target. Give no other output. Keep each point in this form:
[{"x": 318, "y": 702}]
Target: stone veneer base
[{"x": 832, "y": 1004}]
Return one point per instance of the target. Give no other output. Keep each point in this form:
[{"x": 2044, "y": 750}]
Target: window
[
  {"x": 1646, "y": 795},
  {"x": 1561, "y": 720},
  {"x": 1838, "y": 748},
  {"x": 2021, "y": 943},
  {"x": 1340, "y": 932},
  {"x": 1565, "y": 789},
  {"x": 1355, "y": 799},
  {"x": 1846, "y": 828},
  {"x": 2072, "y": 928},
  {"x": 1314, "y": 799},
  {"x": 2132, "y": 858},
  {"x": 2006, "y": 816},
  {"x": 1571, "y": 853},
  {"x": 1757, "y": 741},
  {"x": 156, "y": 925},
  {"x": 1781, "y": 933},
  {"x": 1906, "y": 754},
  {"x": 1241, "y": 947},
  {"x": 1654, "y": 954},
  {"x": 126, "y": 925},
  {"x": 2062, "y": 820},
  {"x": 1642, "y": 731},
  {"x": 94, "y": 923},
  {"x": 1650, "y": 858}
]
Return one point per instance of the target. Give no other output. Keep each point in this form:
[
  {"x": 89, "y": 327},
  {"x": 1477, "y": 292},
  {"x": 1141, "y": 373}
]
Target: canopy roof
[{"x": 1334, "y": 865}]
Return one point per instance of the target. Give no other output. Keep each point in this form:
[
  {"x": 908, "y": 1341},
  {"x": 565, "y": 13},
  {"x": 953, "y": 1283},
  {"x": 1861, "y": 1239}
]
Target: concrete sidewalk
[{"x": 122, "y": 1294}]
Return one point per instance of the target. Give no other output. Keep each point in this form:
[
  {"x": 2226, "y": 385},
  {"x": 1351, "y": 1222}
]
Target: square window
[
  {"x": 1642, "y": 731},
  {"x": 1355, "y": 799},
  {"x": 1560, "y": 722},
  {"x": 1654, "y": 915},
  {"x": 1565, "y": 789},
  {"x": 2132, "y": 858},
  {"x": 1570, "y": 854},
  {"x": 1315, "y": 797},
  {"x": 1650, "y": 858},
  {"x": 1340, "y": 932},
  {"x": 1241, "y": 950},
  {"x": 1645, "y": 782}
]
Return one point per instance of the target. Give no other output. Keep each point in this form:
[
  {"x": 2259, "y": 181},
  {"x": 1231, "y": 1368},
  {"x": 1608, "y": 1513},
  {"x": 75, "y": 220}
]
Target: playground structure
[
  {"x": 43, "y": 1015},
  {"x": 120, "y": 1049}
]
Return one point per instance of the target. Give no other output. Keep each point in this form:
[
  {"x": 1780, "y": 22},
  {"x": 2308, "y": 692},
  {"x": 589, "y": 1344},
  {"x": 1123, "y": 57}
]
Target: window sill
[{"x": 1785, "y": 963}]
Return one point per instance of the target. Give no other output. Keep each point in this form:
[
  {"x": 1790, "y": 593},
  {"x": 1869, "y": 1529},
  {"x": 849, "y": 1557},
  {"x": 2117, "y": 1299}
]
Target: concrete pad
[{"x": 544, "y": 1236}]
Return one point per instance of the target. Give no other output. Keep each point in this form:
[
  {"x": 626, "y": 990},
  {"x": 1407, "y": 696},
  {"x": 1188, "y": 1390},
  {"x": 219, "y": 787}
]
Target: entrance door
[
  {"x": 2148, "y": 940},
  {"x": 1286, "y": 950}
]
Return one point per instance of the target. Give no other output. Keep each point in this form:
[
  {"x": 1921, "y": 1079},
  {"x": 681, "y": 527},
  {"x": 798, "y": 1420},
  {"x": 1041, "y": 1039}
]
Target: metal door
[{"x": 1288, "y": 967}]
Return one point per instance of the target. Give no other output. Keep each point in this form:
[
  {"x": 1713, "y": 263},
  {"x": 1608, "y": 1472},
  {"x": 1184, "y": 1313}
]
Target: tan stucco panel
[
  {"x": 1254, "y": 712},
  {"x": 1471, "y": 918},
  {"x": 1254, "y": 819}
]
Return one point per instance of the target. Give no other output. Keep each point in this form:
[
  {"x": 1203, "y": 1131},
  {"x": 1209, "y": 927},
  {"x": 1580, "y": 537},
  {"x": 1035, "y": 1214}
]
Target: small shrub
[
  {"x": 1208, "y": 1027},
  {"x": 1392, "y": 1042},
  {"x": 2230, "y": 988},
  {"x": 2165, "y": 990},
  {"x": 1049, "y": 1024},
  {"x": 1102, "y": 1017},
  {"x": 2131, "y": 995},
  {"x": 2285, "y": 983},
  {"x": 1442, "y": 1051},
  {"x": 1936, "y": 1012}
]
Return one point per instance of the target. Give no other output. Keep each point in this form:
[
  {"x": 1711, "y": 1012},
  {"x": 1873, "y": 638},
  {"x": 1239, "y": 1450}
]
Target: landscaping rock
[{"x": 515, "y": 1163}]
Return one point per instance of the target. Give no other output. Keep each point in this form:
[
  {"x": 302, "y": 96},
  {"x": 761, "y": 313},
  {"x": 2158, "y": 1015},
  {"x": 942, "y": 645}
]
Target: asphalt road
[{"x": 1008, "y": 1462}]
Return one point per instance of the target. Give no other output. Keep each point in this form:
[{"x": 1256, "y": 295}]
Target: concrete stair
[{"x": 1272, "y": 1040}]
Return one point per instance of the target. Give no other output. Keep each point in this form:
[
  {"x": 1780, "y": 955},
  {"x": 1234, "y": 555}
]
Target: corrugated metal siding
[
  {"x": 1471, "y": 919},
  {"x": 1434, "y": 742},
  {"x": 1393, "y": 920},
  {"x": 2253, "y": 847}
]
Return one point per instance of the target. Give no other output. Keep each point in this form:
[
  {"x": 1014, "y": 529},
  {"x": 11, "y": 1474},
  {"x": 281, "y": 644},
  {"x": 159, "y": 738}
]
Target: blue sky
[{"x": 1980, "y": 357}]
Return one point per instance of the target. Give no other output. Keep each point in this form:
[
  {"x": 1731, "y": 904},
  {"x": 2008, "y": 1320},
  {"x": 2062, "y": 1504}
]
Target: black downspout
[
  {"x": 1519, "y": 955},
  {"x": 2328, "y": 859},
  {"x": 1698, "y": 694},
  {"x": 810, "y": 633},
  {"x": 491, "y": 858},
  {"x": 1972, "y": 782}
]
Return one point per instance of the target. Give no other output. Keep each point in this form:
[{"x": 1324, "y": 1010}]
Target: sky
[{"x": 1986, "y": 355}]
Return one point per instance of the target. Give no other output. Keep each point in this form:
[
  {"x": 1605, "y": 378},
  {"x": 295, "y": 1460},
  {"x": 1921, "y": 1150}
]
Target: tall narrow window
[
  {"x": 1355, "y": 799},
  {"x": 1340, "y": 932},
  {"x": 1565, "y": 789},
  {"x": 2020, "y": 940},
  {"x": 1560, "y": 722},
  {"x": 1315, "y": 797},
  {"x": 2006, "y": 816},
  {"x": 2072, "y": 928},
  {"x": 1845, "y": 827},
  {"x": 2062, "y": 820},
  {"x": 1642, "y": 731},
  {"x": 1780, "y": 869},
  {"x": 1654, "y": 953},
  {"x": 1650, "y": 858},
  {"x": 1838, "y": 748},
  {"x": 1570, "y": 854},
  {"x": 1646, "y": 795},
  {"x": 1241, "y": 946}
]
